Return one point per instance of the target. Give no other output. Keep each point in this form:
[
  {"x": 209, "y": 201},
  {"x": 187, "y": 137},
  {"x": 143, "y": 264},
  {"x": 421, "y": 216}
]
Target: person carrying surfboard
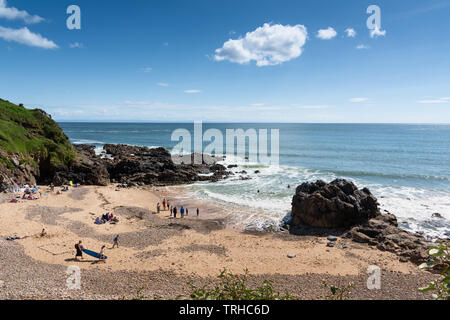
[
  {"x": 79, "y": 248},
  {"x": 102, "y": 256}
]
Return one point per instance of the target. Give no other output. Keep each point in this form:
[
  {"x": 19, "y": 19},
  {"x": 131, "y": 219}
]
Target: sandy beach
[{"x": 161, "y": 255}]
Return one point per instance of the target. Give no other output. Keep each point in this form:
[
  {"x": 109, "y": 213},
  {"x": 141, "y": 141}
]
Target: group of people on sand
[
  {"x": 107, "y": 217},
  {"x": 29, "y": 193},
  {"x": 101, "y": 255},
  {"x": 174, "y": 210}
]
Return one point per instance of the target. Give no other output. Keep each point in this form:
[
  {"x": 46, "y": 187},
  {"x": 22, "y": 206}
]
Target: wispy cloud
[
  {"x": 268, "y": 45},
  {"x": 26, "y": 37},
  {"x": 326, "y": 34},
  {"x": 11, "y": 13},
  {"x": 433, "y": 101},
  {"x": 147, "y": 69},
  {"x": 377, "y": 33},
  {"x": 162, "y": 84},
  {"x": 358, "y": 100},
  {"x": 312, "y": 107},
  {"x": 351, "y": 33},
  {"x": 192, "y": 91},
  {"x": 76, "y": 45},
  {"x": 362, "y": 47}
]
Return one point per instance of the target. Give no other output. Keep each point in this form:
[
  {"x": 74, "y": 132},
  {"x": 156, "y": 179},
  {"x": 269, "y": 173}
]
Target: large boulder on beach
[{"x": 339, "y": 204}]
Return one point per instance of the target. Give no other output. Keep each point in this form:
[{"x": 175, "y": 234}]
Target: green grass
[{"x": 33, "y": 135}]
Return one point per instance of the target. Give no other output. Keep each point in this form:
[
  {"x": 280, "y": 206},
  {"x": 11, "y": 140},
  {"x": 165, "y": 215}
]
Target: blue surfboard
[{"x": 93, "y": 254}]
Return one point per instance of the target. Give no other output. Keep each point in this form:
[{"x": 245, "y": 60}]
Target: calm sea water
[{"x": 406, "y": 166}]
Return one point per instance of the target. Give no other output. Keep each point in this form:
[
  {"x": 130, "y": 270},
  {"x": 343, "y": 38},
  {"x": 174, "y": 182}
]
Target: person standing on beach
[
  {"x": 171, "y": 211},
  {"x": 182, "y": 212},
  {"x": 198, "y": 212},
  {"x": 158, "y": 208},
  {"x": 79, "y": 248},
  {"x": 164, "y": 204},
  {"x": 187, "y": 212},
  {"x": 175, "y": 212},
  {"x": 116, "y": 242},
  {"x": 102, "y": 254}
]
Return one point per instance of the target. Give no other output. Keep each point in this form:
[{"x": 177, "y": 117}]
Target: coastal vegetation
[
  {"x": 439, "y": 260},
  {"x": 235, "y": 287},
  {"x": 31, "y": 137}
]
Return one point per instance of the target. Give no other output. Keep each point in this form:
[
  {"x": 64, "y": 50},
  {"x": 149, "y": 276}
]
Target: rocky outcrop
[
  {"x": 141, "y": 165},
  {"x": 339, "y": 204},
  {"x": 383, "y": 233},
  {"x": 88, "y": 169},
  {"x": 341, "y": 208}
]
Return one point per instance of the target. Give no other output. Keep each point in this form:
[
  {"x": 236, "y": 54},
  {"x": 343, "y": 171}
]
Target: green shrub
[
  {"x": 439, "y": 259},
  {"x": 337, "y": 293},
  {"x": 234, "y": 287}
]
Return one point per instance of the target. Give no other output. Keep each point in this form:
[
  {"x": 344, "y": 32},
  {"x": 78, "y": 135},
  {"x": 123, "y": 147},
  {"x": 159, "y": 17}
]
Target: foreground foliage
[
  {"x": 234, "y": 287},
  {"x": 337, "y": 293},
  {"x": 439, "y": 260}
]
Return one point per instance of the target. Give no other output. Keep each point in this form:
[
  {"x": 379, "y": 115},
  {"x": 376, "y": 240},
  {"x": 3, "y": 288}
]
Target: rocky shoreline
[
  {"x": 340, "y": 208},
  {"x": 122, "y": 164}
]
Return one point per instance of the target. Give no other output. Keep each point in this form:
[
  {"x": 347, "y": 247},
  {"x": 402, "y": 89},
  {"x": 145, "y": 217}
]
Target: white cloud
[
  {"x": 362, "y": 46},
  {"x": 192, "y": 91},
  {"x": 357, "y": 100},
  {"x": 268, "y": 45},
  {"x": 377, "y": 33},
  {"x": 161, "y": 84},
  {"x": 313, "y": 107},
  {"x": 11, "y": 13},
  {"x": 326, "y": 34},
  {"x": 433, "y": 101},
  {"x": 25, "y": 36},
  {"x": 76, "y": 45},
  {"x": 351, "y": 33},
  {"x": 147, "y": 69}
]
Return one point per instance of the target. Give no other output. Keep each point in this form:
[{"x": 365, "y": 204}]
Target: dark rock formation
[
  {"x": 141, "y": 165},
  {"x": 353, "y": 214},
  {"x": 88, "y": 169},
  {"x": 338, "y": 204},
  {"x": 383, "y": 232}
]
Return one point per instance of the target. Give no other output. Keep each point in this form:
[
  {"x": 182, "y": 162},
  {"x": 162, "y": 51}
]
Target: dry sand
[{"x": 172, "y": 251}]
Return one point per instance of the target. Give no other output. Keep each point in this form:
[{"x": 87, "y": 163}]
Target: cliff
[{"x": 32, "y": 145}]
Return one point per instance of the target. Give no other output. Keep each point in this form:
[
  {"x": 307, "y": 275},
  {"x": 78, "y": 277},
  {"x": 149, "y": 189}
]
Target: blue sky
[{"x": 157, "y": 60}]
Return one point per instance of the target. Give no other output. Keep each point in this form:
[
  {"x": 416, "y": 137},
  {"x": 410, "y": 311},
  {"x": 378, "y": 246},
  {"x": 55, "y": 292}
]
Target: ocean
[{"x": 407, "y": 167}]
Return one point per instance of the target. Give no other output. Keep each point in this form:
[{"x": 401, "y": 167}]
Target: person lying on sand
[
  {"x": 43, "y": 233},
  {"x": 16, "y": 238}
]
